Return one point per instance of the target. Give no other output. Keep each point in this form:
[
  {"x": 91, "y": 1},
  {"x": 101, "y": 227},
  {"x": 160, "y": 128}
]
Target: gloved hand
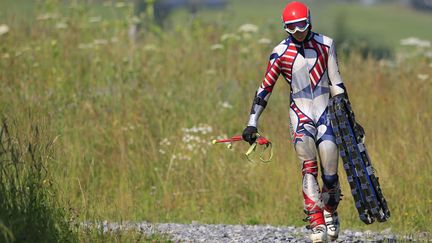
[
  {"x": 249, "y": 134},
  {"x": 360, "y": 132}
]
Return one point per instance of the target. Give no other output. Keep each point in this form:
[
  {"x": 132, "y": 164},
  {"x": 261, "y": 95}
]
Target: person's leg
[
  {"x": 328, "y": 153},
  {"x": 313, "y": 205},
  {"x": 303, "y": 136}
]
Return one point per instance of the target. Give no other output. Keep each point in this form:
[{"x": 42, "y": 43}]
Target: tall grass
[
  {"x": 135, "y": 120},
  {"x": 29, "y": 210}
]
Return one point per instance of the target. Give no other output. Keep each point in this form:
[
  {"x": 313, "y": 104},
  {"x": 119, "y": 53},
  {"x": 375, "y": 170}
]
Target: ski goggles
[{"x": 297, "y": 26}]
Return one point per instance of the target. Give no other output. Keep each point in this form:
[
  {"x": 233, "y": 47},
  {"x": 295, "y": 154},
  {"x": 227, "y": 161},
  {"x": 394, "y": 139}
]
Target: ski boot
[
  {"x": 317, "y": 226},
  {"x": 333, "y": 225}
]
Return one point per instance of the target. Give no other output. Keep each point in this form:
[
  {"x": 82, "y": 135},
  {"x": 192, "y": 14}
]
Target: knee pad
[
  {"x": 331, "y": 192},
  {"x": 330, "y": 181}
]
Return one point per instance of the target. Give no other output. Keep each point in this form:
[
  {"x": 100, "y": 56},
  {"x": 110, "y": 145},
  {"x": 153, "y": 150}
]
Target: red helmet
[{"x": 296, "y": 17}]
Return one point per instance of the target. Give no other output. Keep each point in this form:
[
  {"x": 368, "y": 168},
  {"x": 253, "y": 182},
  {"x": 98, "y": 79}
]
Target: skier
[{"x": 307, "y": 61}]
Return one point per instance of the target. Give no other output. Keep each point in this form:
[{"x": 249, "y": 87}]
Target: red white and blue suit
[{"x": 311, "y": 70}]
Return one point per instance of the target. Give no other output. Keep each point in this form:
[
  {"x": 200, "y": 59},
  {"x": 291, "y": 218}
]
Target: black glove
[
  {"x": 249, "y": 134},
  {"x": 360, "y": 132}
]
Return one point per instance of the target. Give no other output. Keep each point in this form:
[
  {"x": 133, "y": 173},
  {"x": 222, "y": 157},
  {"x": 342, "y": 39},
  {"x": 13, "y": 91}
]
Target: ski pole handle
[{"x": 262, "y": 141}]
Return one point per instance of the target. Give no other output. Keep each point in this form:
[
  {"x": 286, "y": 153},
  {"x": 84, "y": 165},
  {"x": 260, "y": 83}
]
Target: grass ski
[{"x": 369, "y": 200}]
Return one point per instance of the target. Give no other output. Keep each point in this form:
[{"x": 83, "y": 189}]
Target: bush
[{"x": 351, "y": 42}]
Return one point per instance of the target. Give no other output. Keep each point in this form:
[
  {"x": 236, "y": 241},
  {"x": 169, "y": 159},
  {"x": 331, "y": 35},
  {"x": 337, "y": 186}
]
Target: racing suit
[{"x": 311, "y": 70}]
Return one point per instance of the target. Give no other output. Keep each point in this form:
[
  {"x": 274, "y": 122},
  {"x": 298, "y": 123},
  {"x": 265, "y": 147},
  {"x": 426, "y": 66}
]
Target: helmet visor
[{"x": 297, "y": 26}]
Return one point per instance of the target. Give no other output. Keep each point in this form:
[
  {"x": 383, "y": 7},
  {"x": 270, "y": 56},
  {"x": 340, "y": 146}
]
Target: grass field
[{"x": 133, "y": 122}]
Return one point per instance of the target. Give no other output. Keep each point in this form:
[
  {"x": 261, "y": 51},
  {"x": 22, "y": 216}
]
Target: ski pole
[{"x": 259, "y": 141}]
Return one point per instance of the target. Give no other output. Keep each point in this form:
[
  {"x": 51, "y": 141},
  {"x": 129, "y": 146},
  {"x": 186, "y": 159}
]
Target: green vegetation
[
  {"x": 29, "y": 211},
  {"x": 97, "y": 233},
  {"x": 133, "y": 121},
  {"x": 384, "y": 24}
]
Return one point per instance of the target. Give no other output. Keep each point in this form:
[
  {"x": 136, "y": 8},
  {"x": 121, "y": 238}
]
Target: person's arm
[
  {"x": 338, "y": 88},
  {"x": 265, "y": 89},
  {"x": 262, "y": 96},
  {"x": 336, "y": 84}
]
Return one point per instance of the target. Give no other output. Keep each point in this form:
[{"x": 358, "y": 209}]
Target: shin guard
[
  {"x": 311, "y": 193},
  {"x": 331, "y": 192}
]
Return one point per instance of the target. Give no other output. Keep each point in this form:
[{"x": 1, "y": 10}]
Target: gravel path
[{"x": 196, "y": 232}]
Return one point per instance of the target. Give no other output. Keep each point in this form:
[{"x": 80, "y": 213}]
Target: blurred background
[{"x": 109, "y": 107}]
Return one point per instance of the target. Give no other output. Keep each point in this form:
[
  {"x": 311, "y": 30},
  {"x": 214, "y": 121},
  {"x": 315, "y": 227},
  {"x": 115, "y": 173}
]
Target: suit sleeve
[
  {"x": 265, "y": 89},
  {"x": 336, "y": 84}
]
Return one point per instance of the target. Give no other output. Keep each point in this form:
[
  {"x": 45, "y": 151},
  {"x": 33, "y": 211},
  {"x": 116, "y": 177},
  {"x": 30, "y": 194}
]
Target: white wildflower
[
  {"x": 114, "y": 39},
  {"x": 428, "y": 54},
  {"x": 190, "y": 147},
  {"x": 206, "y": 129},
  {"x": 203, "y": 151},
  {"x": 4, "y": 29},
  {"x": 161, "y": 151},
  {"x": 201, "y": 128},
  {"x": 120, "y": 5},
  {"x": 153, "y": 191},
  {"x": 186, "y": 138},
  {"x": 264, "y": 41},
  {"x": 186, "y": 130},
  {"x": 26, "y": 48},
  {"x": 248, "y": 28},
  {"x": 221, "y": 137},
  {"x": 190, "y": 138},
  {"x": 165, "y": 142},
  {"x": 246, "y": 35},
  {"x": 225, "y": 105},
  {"x": 150, "y": 48},
  {"x": 61, "y": 25},
  {"x": 244, "y": 50},
  {"x": 135, "y": 20},
  {"x": 43, "y": 17},
  {"x": 95, "y": 19},
  {"x": 210, "y": 72},
  {"x": 226, "y": 37},
  {"x": 100, "y": 42},
  {"x": 85, "y": 46},
  {"x": 216, "y": 47},
  {"x": 6, "y": 56},
  {"x": 48, "y": 16},
  {"x": 423, "y": 77},
  {"x": 414, "y": 41},
  {"x": 184, "y": 157},
  {"x": 387, "y": 63}
]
